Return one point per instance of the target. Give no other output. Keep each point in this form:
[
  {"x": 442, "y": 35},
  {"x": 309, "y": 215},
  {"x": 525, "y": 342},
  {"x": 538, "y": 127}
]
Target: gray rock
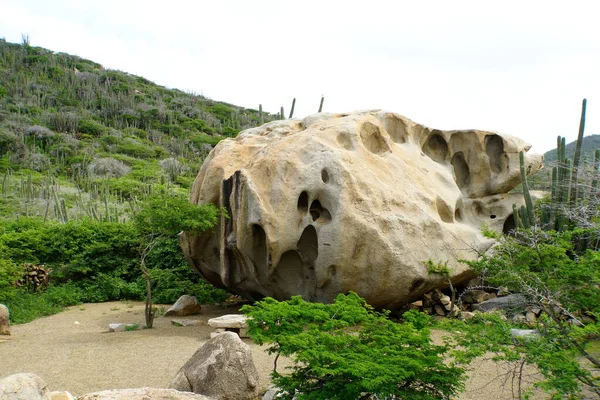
[
  {"x": 144, "y": 393},
  {"x": 512, "y": 301},
  {"x": 185, "y": 305},
  {"x": 222, "y": 368},
  {"x": 4, "y": 320},
  {"x": 23, "y": 386}
]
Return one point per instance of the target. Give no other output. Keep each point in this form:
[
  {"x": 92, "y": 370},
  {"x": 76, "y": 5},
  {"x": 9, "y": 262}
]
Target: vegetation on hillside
[{"x": 81, "y": 149}]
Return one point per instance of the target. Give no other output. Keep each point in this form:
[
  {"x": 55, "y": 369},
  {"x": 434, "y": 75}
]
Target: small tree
[
  {"x": 167, "y": 215},
  {"x": 345, "y": 350}
]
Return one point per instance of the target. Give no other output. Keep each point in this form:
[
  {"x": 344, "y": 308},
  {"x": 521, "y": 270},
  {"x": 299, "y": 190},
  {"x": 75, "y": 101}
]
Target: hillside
[
  {"x": 589, "y": 144},
  {"x": 78, "y": 140}
]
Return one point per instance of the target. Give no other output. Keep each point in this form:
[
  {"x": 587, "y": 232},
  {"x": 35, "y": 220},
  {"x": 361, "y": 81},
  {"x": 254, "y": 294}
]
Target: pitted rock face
[{"x": 351, "y": 202}]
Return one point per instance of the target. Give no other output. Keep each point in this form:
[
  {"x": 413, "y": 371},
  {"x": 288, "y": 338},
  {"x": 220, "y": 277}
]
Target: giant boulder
[{"x": 352, "y": 202}]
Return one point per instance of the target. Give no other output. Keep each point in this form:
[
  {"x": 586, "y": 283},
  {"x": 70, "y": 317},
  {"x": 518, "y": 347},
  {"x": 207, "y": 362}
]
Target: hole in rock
[
  {"x": 324, "y": 176},
  {"x": 318, "y": 212},
  {"x": 303, "y": 202},
  {"x": 345, "y": 141},
  {"x": 444, "y": 210},
  {"x": 509, "y": 225},
  {"x": 461, "y": 169},
  {"x": 436, "y": 148},
  {"x": 308, "y": 245},
  {"x": 415, "y": 284},
  {"x": 234, "y": 330},
  {"x": 458, "y": 214},
  {"x": 396, "y": 128},
  {"x": 494, "y": 148},
  {"x": 373, "y": 139},
  {"x": 493, "y": 216},
  {"x": 259, "y": 247}
]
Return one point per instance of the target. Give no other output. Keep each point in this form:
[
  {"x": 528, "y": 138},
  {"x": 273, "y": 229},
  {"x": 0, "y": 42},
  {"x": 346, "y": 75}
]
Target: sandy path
[{"x": 83, "y": 358}]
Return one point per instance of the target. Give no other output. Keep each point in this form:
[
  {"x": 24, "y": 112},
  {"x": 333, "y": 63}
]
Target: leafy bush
[
  {"x": 91, "y": 127},
  {"x": 25, "y": 306},
  {"x": 345, "y": 350}
]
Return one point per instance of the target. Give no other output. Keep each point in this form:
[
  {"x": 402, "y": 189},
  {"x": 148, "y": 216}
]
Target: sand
[{"x": 74, "y": 351}]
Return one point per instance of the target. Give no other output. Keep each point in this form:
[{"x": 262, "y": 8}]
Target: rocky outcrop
[
  {"x": 23, "y": 386},
  {"x": 352, "y": 202},
  {"x": 222, "y": 368},
  {"x": 143, "y": 394},
  {"x": 185, "y": 305}
]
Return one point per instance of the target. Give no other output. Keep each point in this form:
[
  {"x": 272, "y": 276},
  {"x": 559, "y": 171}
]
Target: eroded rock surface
[{"x": 352, "y": 202}]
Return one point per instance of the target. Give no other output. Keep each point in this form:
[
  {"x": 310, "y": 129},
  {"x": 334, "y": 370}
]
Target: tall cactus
[
  {"x": 293, "y": 106},
  {"x": 321, "y": 105},
  {"x": 577, "y": 157},
  {"x": 530, "y": 217}
]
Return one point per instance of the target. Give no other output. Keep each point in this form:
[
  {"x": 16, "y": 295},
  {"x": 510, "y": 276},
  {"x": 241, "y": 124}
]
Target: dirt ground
[{"x": 74, "y": 351}]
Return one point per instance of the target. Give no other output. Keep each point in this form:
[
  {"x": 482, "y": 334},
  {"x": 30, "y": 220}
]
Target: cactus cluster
[{"x": 571, "y": 192}]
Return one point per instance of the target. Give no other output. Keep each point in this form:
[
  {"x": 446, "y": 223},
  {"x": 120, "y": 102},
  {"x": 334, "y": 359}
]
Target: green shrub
[
  {"x": 91, "y": 127},
  {"x": 345, "y": 350},
  {"x": 25, "y": 306}
]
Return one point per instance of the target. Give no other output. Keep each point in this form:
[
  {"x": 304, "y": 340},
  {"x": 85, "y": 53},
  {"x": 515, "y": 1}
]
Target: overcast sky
[{"x": 516, "y": 67}]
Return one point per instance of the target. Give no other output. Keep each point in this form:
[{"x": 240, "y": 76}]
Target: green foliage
[
  {"x": 25, "y": 306},
  {"x": 91, "y": 127},
  {"x": 345, "y": 350},
  {"x": 170, "y": 215},
  {"x": 545, "y": 268}
]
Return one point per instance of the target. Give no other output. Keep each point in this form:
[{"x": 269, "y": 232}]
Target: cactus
[
  {"x": 528, "y": 202},
  {"x": 576, "y": 158},
  {"x": 596, "y": 172},
  {"x": 281, "y": 114},
  {"x": 321, "y": 105},
  {"x": 260, "y": 114},
  {"x": 292, "y": 110}
]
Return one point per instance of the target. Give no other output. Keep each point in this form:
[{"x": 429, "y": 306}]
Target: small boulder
[
  {"x": 231, "y": 322},
  {"x": 185, "y": 305},
  {"x": 4, "y": 320},
  {"x": 24, "y": 386},
  {"x": 512, "y": 301},
  {"x": 61, "y": 395},
  {"x": 144, "y": 393},
  {"x": 222, "y": 368}
]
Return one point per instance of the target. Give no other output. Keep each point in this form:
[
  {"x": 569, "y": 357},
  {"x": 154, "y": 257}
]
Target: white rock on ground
[
  {"x": 222, "y": 368},
  {"x": 352, "y": 202},
  {"x": 23, "y": 386},
  {"x": 61, "y": 395}
]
